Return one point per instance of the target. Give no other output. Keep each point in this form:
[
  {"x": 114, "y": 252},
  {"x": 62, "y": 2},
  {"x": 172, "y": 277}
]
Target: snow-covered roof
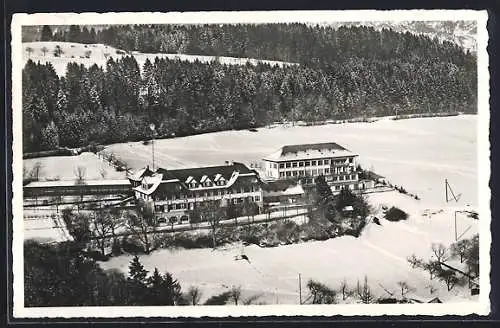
[
  {"x": 66, "y": 183},
  {"x": 204, "y": 179},
  {"x": 190, "y": 179},
  {"x": 137, "y": 175},
  {"x": 309, "y": 151},
  {"x": 348, "y": 208},
  {"x": 152, "y": 181},
  {"x": 290, "y": 191}
]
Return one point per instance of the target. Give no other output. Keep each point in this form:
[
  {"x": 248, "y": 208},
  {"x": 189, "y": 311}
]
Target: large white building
[
  {"x": 175, "y": 193},
  {"x": 307, "y": 161}
]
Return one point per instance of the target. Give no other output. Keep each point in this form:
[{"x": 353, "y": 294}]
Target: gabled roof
[
  {"x": 139, "y": 174},
  {"x": 197, "y": 173},
  {"x": 205, "y": 178}
]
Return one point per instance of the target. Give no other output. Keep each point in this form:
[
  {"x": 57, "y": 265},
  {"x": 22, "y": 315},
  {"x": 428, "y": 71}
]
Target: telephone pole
[
  {"x": 300, "y": 289},
  {"x": 152, "y": 127}
]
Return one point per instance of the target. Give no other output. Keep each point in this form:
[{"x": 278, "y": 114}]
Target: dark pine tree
[{"x": 46, "y": 34}]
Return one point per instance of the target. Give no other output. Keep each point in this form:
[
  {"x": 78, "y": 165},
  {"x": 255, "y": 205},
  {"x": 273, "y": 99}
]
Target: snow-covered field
[
  {"x": 76, "y": 52},
  {"x": 63, "y": 167},
  {"x": 46, "y": 229},
  {"x": 379, "y": 253},
  {"x": 415, "y": 153}
]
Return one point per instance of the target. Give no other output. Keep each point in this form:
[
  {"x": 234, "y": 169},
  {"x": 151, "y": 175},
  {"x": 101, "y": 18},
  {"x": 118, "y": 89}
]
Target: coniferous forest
[{"x": 340, "y": 73}]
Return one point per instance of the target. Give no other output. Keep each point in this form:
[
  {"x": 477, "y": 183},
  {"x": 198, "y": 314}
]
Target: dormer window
[
  {"x": 192, "y": 184},
  {"x": 205, "y": 181}
]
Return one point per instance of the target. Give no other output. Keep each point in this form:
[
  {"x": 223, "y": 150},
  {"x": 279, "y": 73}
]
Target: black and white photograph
[{"x": 250, "y": 164}]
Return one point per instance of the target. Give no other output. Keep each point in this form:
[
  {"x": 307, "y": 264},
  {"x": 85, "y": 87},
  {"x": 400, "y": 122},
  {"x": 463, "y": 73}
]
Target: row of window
[
  {"x": 183, "y": 206},
  {"x": 221, "y": 182},
  {"x": 319, "y": 162},
  {"x": 316, "y": 172},
  {"x": 212, "y": 193}
]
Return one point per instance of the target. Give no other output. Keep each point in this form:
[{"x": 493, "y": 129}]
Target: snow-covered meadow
[
  {"x": 100, "y": 53},
  {"x": 418, "y": 154},
  {"x": 379, "y": 253}
]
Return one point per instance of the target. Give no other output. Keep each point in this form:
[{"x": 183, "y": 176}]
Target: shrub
[{"x": 395, "y": 214}]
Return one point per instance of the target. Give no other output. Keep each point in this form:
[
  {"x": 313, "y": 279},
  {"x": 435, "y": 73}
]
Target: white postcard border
[{"x": 482, "y": 307}]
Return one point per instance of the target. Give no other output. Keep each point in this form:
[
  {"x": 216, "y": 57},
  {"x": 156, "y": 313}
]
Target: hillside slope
[
  {"x": 462, "y": 33},
  {"x": 89, "y": 54}
]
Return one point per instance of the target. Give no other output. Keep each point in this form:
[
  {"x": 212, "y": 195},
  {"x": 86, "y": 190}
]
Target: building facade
[
  {"x": 308, "y": 161},
  {"x": 175, "y": 193}
]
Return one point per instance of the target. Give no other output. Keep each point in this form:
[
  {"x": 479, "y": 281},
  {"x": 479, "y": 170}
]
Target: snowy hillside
[{"x": 89, "y": 54}]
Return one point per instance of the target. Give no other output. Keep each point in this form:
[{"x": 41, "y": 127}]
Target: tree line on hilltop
[{"x": 343, "y": 73}]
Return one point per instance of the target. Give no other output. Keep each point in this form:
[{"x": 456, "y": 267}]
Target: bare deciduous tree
[
  {"x": 36, "y": 171},
  {"x": 414, "y": 261},
  {"x": 320, "y": 293},
  {"x": 194, "y": 295},
  {"x": 44, "y": 50},
  {"x": 460, "y": 249},
  {"x": 212, "y": 212},
  {"x": 103, "y": 173},
  {"x": 103, "y": 228},
  {"x": 29, "y": 50},
  {"x": 432, "y": 267},
  {"x": 88, "y": 53},
  {"x": 404, "y": 288},
  {"x": 439, "y": 251},
  {"x": 138, "y": 227},
  {"x": 80, "y": 174},
  {"x": 236, "y": 294}
]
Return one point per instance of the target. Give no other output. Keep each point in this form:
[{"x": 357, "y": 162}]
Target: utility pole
[
  {"x": 300, "y": 289},
  {"x": 456, "y": 236},
  {"x": 152, "y": 127},
  {"x": 446, "y": 189}
]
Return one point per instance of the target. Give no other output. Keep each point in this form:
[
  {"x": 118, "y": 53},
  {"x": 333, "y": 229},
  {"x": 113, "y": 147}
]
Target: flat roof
[
  {"x": 71, "y": 183},
  {"x": 309, "y": 151}
]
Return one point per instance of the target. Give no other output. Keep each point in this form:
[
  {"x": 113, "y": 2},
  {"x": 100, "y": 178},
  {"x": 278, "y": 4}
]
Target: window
[
  {"x": 294, "y": 164},
  {"x": 307, "y": 163},
  {"x": 282, "y": 165},
  {"x": 257, "y": 198},
  {"x": 275, "y": 165},
  {"x": 301, "y": 164},
  {"x": 288, "y": 173},
  {"x": 313, "y": 163},
  {"x": 327, "y": 171},
  {"x": 351, "y": 160},
  {"x": 288, "y": 165},
  {"x": 282, "y": 174},
  {"x": 301, "y": 172},
  {"x": 320, "y": 171},
  {"x": 314, "y": 172},
  {"x": 326, "y": 162},
  {"x": 219, "y": 193},
  {"x": 294, "y": 173},
  {"x": 211, "y": 193},
  {"x": 206, "y": 194}
]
